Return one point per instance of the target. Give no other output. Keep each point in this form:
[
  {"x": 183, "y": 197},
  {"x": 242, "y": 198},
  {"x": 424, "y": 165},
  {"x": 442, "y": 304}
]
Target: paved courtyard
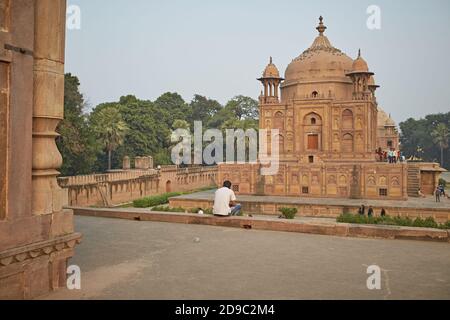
[{"x": 122, "y": 259}]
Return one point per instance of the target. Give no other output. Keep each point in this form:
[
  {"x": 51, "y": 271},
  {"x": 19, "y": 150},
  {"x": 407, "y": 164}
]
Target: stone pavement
[
  {"x": 122, "y": 259},
  {"x": 428, "y": 202}
]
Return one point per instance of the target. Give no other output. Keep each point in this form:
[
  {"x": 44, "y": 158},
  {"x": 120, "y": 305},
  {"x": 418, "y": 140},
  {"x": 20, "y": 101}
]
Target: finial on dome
[
  {"x": 321, "y": 28},
  {"x": 271, "y": 60},
  {"x": 359, "y": 53}
]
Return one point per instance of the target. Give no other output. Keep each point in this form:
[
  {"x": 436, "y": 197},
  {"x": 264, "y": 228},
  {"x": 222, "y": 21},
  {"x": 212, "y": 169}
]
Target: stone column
[
  {"x": 152, "y": 165},
  {"x": 48, "y": 109},
  {"x": 126, "y": 163},
  {"x": 137, "y": 163}
]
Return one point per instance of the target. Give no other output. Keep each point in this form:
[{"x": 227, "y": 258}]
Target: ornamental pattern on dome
[{"x": 321, "y": 43}]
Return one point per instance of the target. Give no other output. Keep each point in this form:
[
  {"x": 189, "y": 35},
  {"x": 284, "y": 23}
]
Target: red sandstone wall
[
  {"x": 330, "y": 180},
  {"x": 95, "y": 190}
]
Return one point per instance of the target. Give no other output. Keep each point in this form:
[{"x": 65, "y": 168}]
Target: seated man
[
  {"x": 225, "y": 201},
  {"x": 421, "y": 194}
]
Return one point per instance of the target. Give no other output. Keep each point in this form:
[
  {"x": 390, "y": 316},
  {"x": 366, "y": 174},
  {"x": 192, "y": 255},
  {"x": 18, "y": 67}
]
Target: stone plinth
[
  {"x": 143, "y": 163},
  {"x": 126, "y": 163}
]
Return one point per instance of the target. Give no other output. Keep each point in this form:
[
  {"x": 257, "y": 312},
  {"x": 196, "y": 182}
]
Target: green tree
[
  {"x": 76, "y": 142},
  {"x": 170, "y": 107},
  {"x": 239, "y": 109},
  {"x": 181, "y": 124},
  {"x": 109, "y": 129},
  {"x": 440, "y": 136},
  {"x": 417, "y": 139},
  {"x": 243, "y": 107},
  {"x": 203, "y": 109}
]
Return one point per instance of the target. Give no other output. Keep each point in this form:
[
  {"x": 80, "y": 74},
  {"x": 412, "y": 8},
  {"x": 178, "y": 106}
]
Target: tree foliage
[
  {"x": 109, "y": 129},
  {"x": 424, "y": 138},
  {"x": 440, "y": 137},
  {"x": 133, "y": 127},
  {"x": 76, "y": 142}
]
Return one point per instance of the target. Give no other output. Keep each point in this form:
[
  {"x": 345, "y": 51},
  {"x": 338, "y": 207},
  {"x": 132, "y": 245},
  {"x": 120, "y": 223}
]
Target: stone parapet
[
  {"x": 116, "y": 188},
  {"x": 260, "y": 223}
]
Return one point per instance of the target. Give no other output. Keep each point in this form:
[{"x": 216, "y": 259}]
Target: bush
[
  {"x": 404, "y": 222},
  {"x": 396, "y": 221},
  {"x": 288, "y": 213},
  {"x": 445, "y": 225},
  {"x": 168, "y": 209},
  {"x": 155, "y": 200},
  {"x": 427, "y": 223},
  {"x": 443, "y": 182}
]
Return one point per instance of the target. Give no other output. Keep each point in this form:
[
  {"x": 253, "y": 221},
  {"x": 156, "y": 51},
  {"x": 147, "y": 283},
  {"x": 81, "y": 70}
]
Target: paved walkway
[
  {"x": 428, "y": 202},
  {"x": 122, "y": 259}
]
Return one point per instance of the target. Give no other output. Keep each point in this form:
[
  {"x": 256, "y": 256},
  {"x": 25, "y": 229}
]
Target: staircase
[
  {"x": 103, "y": 190},
  {"x": 413, "y": 181}
]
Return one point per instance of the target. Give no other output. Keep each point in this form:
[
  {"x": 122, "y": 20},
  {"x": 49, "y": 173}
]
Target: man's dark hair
[{"x": 227, "y": 184}]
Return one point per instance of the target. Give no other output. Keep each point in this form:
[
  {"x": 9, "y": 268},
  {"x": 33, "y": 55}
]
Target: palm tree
[
  {"x": 440, "y": 136},
  {"x": 110, "y": 129}
]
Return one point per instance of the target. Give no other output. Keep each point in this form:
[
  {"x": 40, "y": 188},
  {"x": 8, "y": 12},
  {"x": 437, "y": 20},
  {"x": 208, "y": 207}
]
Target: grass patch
[
  {"x": 158, "y": 200},
  {"x": 154, "y": 201},
  {"x": 393, "y": 221}
]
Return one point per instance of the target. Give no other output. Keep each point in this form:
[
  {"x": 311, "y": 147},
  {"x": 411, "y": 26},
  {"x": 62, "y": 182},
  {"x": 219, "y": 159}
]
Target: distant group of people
[
  {"x": 439, "y": 192},
  {"x": 392, "y": 155},
  {"x": 370, "y": 211}
]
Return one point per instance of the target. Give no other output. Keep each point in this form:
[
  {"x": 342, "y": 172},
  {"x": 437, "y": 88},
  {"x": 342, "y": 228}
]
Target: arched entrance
[
  {"x": 168, "y": 186},
  {"x": 312, "y": 124}
]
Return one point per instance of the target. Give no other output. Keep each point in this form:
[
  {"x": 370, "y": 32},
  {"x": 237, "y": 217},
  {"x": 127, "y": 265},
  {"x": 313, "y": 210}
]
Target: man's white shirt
[{"x": 222, "y": 201}]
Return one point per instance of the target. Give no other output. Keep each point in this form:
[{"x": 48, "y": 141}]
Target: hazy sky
[{"x": 219, "y": 48}]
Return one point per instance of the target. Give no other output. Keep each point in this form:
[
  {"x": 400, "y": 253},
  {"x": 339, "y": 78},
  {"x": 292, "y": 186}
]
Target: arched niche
[
  {"x": 347, "y": 119},
  {"x": 347, "y": 143},
  {"x": 278, "y": 122}
]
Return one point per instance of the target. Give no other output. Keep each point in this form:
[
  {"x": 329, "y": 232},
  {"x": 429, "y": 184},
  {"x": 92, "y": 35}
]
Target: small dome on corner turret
[
  {"x": 271, "y": 70},
  {"x": 360, "y": 65}
]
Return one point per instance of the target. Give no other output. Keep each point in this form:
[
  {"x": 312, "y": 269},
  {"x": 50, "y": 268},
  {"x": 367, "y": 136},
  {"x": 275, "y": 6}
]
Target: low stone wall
[
  {"x": 125, "y": 186},
  {"x": 331, "y": 229},
  {"x": 441, "y": 215}
]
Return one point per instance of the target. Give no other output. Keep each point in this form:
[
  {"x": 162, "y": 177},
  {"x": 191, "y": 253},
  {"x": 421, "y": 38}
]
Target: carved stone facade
[
  {"x": 388, "y": 137},
  {"x": 326, "y": 112},
  {"x": 36, "y": 233}
]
